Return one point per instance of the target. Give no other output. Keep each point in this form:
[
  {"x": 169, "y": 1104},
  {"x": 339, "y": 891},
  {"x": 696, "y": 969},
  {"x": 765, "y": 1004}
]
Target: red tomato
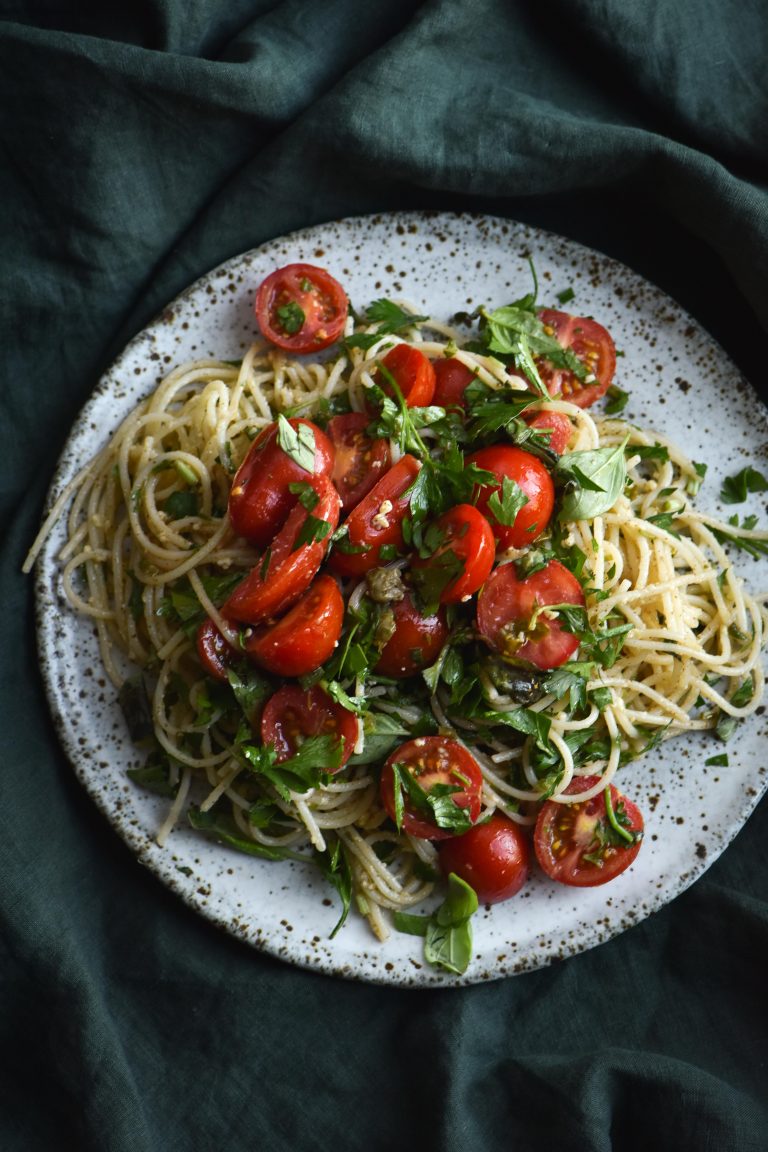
[
  {"x": 532, "y": 476},
  {"x": 415, "y": 643},
  {"x": 506, "y": 605},
  {"x": 214, "y": 650},
  {"x": 556, "y": 423},
  {"x": 260, "y": 498},
  {"x": 305, "y": 637},
  {"x": 451, "y": 380},
  {"x": 575, "y": 843},
  {"x": 294, "y": 713},
  {"x": 286, "y": 571},
  {"x": 301, "y": 308},
  {"x": 360, "y": 461},
  {"x": 467, "y": 535},
  {"x": 377, "y": 520},
  {"x": 433, "y": 760},
  {"x": 412, "y": 372},
  {"x": 594, "y": 347},
  {"x": 493, "y": 858}
]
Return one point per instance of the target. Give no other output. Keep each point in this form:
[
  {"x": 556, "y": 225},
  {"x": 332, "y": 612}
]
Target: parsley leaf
[{"x": 736, "y": 488}]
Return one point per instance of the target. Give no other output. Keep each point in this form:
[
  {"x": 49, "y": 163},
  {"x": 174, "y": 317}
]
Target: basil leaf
[
  {"x": 298, "y": 443},
  {"x": 448, "y": 941},
  {"x": 594, "y": 479}
]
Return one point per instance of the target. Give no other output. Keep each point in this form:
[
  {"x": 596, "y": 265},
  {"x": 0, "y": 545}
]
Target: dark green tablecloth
[{"x": 138, "y": 151}]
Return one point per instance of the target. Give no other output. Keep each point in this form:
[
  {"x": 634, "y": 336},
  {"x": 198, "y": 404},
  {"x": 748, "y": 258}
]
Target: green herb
[
  {"x": 593, "y": 480},
  {"x": 650, "y": 452},
  {"x": 335, "y": 867},
  {"x": 755, "y": 547},
  {"x": 181, "y": 504},
  {"x": 720, "y": 761},
  {"x": 224, "y": 829},
  {"x": 308, "y": 496},
  {"x": 736, "y": 488},
  {"x": 291, "y": 317},
  {"x": 437, "y": 804},
  {"x": 566, "y": 296},
  {"x": 309, "y": 767},
  {"x": 390, "y": 318},
  {"x": 505, "y": 503},
  {"x": 448, "y": 931},
  {"x": 311, "y": 532},
  {"x": 298, "y": 443},
  {"x": 616, "y": 400}
]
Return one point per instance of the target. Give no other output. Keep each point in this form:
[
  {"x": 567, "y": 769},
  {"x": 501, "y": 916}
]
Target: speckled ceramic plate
[{"x": 680, "y": 382}]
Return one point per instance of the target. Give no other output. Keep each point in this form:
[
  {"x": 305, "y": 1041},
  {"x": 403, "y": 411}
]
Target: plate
[{"x": 679, "y": 380}]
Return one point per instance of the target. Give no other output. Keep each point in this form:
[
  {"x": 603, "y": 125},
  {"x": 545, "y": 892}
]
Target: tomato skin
[
  {"x": 556, "y": 423},
  {"x": 260, "y": 498},
  {"x": 493, "y": 858},
  {"x": 277, "y": 581},
  {"x": 359, "y": 460},
  {"x": 416, "y": 642},
  {"x": 214, "y": 650},
  {"x": 506, "y": 600},
  {"x": 313, "y": 290},
  {"x": 451, "y": 380},
  {"x": 433, "y": 760},
  {"x": 469, "y": 536},
  {"x": 305, "y": 637},
  {"x": 413, "y": 373},
  {"x": 364, "y": 531},
  {"x": 294, "y": 713},
  {"x": 534, "y": 479},
  {"x": 593, "y": 345},
  {"x": 564, "y": 833}
]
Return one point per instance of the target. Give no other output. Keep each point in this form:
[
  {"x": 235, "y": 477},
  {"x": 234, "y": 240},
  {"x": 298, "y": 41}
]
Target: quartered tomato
[
  {"x": 294, "y": 713},
  {"x": 578, "y": 845},
  {"x": 412, "y": 372},
  {"x": 360, "y": 461},
  {"x": 305, "y": 637},
  {"x": 451, "y": 380},
  {"x": 556, "y": 424},
  {"x": 260, "y": 498},
  {"x": 214, "y": 650},
  {"x": 594, "y": 347},
  {"x": 433, "y": 762},
  {"x": 289, "y": 566},
  {"x": 506, "y": 606},
  {"x": 528, "y": 473},
  {"x": 376, "y": 521},
  {"x": 465, "y": 553},
  {"x": 301, "y": 308},
  {"x": 493, "y": 858},
  {"x": 416, "y": 641}
]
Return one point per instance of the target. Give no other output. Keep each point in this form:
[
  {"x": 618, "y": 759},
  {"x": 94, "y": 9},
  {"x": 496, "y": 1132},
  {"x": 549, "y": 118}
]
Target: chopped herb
[
  {"x": 736, "y": 488},
  {"x": 291, "y": 317},
  {"x": 298, "y": 443}
]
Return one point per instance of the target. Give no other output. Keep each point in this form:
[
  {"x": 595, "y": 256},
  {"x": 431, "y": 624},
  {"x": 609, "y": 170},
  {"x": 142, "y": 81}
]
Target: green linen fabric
[{"x": 142, "y": 146}]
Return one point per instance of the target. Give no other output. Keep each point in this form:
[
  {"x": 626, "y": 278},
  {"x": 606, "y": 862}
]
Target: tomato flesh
[
  {"x": 433, "y": 760},
  {"x": 506, "y": 605},
  {"x": 556, "y": 424},
  {"x": 593, "y": 345},
  {"x": 575, "y": 844},
  {"x": 451, "y": 380},
  {"x": 493, "y": 858},
  {"x": 528, "y": 472},
  {"x": 305, "y": 637},
  {"x": 294, "y": 713},
  {"x": 377, "y": 521},
  {"x": 214, "y": 650},
  {"x": 359, "y": 460},
  {"x": 301, "y": 308},
  {"x": 415, "y": 643},
  {"x": 467, "y": 539},
  {"x": 412, "y": 372}
]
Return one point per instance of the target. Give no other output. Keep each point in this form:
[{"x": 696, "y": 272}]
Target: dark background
[{"x": 138, "y": 150}]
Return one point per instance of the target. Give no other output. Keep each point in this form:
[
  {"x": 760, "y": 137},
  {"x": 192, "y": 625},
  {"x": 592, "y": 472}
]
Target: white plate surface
[{"x": 680, "y": 383}]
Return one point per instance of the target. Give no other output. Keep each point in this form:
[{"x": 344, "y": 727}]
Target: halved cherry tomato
[
  {"x": 594, "y": 347},
  {"x": 492, "y": 857},
  {"x": 416, "y": 641},
  {"x": 467, "y": 543},
  {"x": 377, "y": 520},
  {"x": 412, "y": 372},
  {"x": 451, "y": 380},
  {"x": 214, "y": 650},
  {"x": 576, "y": 843},
  {"x": 260, "y": 498},
  {"x": 287, "y": 569},
  {"x": 301, "y": 308},
  {"x": 506, "y": 605},
  {"x": 528, "y": 472},
  {"x": 431, "y": 761},
  {"x": 360, "y": 461},
  {"x": 294, "y": 713},
  {"x": 556, "y": 424},
  {"x": 305, "y": 637}
]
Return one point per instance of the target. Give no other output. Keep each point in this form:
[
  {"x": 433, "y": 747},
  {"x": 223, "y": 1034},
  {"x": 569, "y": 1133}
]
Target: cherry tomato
[
  {"x": 301, "y": 308},
  {"x": 416, "y": 641},
  {"x": 287, "y": 569},
  {"x": 360, "y": 461},
  {"x": 412, "y": 372},
  {"x": 506, "y": 606},
  {"x": 377, "y": 520},
  {"x": 260, "y": 498},
  {"x": 594, "y": 347},
  {"x": 556, "y": 424},
  {"x": 493, "y": 858},
  {"x": 294, "y": 713},
  {"x": 433, "y": 760},
  {"x": 305, "y": 637},
  {"x": 528, "y": 472},
  {"x": 214, "y": 650},
  {"x": 467, "y": 536},
  {"x": 451, "y": 380},
  {"x": 576, "y": 844}
]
